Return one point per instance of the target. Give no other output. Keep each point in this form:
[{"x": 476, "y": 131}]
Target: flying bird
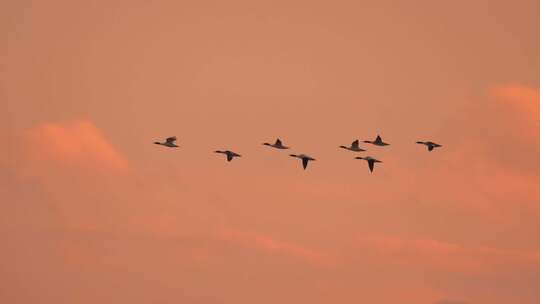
[
  {"x": 230, "y": 154},
  {"x": 377, "y": 142},
  {"x": 169, "y": 142},
  {"x": 278, "y": 145},
  {"x": 371, "y": 161},
  {"x": 429, "y": 144},
  {"x": 354, "y": 147},
  {"x": 305, "y": 159}
]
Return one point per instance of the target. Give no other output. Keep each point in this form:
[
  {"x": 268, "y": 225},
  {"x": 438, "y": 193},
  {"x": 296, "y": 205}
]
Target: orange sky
[{"x": 92, "y": 212}]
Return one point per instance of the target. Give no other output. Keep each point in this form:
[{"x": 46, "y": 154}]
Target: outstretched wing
[
  {"x": 305, "y": 162},
  {"x": 371, "y": 164},
  {"x": 355, "y": 144},
  {"x": 171, "y": 140}
]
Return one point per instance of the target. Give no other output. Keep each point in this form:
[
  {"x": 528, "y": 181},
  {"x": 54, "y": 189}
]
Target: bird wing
[
  {"x": 371, "y": 164},
  {"x": 305, "y": 162},
  {"x": 354, "y": 144},
  {"x": 171, "y": 139}
]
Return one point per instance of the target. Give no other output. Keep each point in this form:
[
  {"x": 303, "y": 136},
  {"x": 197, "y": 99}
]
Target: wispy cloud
[
  {"x": 274, "y": 246},
  {"x": 451, "y": 302},
  {"x": 449, "y": 257},
  {"x": 77, "y": 142}
]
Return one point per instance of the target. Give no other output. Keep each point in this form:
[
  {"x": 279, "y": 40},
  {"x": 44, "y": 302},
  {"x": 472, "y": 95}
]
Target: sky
[{"x": 92, "y": 212}]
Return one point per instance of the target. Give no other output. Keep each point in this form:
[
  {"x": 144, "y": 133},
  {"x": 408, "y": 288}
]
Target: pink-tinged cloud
[
  {"x": 78, "y": 142},
  {"x": 524, "y": 99},
  {"x": 451, "y": 302},
  {"x": 447, "y": 257},
  {"x": 273, "y": 246}
]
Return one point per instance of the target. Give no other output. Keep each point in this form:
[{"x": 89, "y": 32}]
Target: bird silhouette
[
  {"x": 278, "y": 144},
  {"x": 377, "y": 142},
  {"x": 354, "y": 147},
  {"x": 169, "y": 142},
  {"x": 371, "y": 161},
  {"x": 230, "y": 154},
  {"x": 305, "y": 159},
  {"x": 429, "y": 144}
]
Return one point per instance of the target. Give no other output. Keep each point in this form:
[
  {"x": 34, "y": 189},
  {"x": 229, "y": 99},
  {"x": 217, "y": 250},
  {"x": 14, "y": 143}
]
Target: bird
[
  {"x": 305, "y": 159},
  {"x": 371, "y": 161},
  {"x": 169, "y": 142},
  {"x": 377, "y": 142},
  {"x": 278, "y": 145},
  {"x": 354, "y": 147},
  {"x": 230, "y": 154},
  {"x": 429, "y": 144}
]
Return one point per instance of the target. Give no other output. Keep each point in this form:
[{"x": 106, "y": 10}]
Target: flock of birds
[{"x": 355, "y": 147}]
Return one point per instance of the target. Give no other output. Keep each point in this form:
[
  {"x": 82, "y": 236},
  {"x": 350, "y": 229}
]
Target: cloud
[
  {"x": 449, "y": 257},
  {"x": 451, "y": 302},
  {"x": 524, "y": 99},
  {"x": 502, "y": 127},
  {"x": 75, "y": 143},
  {"x": 271, "y": 245}
]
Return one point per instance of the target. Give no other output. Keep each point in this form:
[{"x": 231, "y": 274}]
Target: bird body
[
  {"x": 230, "y": 154},
  {"x": 305, "y": 159},
  {"x": 278, "y": 145},
  {"x": 429, "y": 144},
  {"x": 371, "y": 161},
  {"x": 354, "y": 147},
  {"x": 169, "y": 142},
  {"x": 377, "y": 142}
]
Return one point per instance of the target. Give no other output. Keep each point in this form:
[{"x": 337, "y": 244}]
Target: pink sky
[{"x": 93, "y": 212}]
